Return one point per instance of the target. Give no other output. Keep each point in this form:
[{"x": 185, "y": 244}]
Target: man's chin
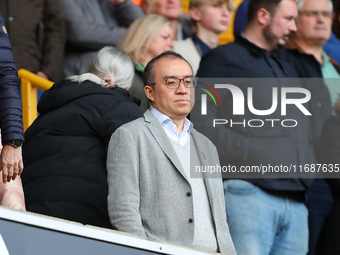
[
  {"x": 279, "y": 45},
  {"x": 184, "y": 112}
]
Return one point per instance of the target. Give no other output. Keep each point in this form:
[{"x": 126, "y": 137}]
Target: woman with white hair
[
  {"x": 146, "y": 38},
  {"x": 65, "y": 149}
]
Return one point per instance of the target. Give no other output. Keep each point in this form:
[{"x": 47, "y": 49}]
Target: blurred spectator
[
  {"x": 210, "y": 18},
  {"x": 10, "y": 111},
  {"x": 304, "y": 60},
  {"x": 269, "y": 213},
  {"x": 329, "y": 153},
  {"x": 228, "y": 36},
  {"x": 92, "y": 25},
  {"x": 147, "y": 37},
  {"x": 332, "y": 47},
  {"x": 314, "y": 25},
  {"x": 306, "y": 65},
  {"x": 37, "y": 32},
  {"x": 11, "y": 193},
  {"x": 172, "y": 9},
  {"x": 66, "y": 146}
]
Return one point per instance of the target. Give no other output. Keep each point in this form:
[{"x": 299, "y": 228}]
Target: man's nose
[
  {"x": 292, "y": 27},
  {"x": 181, "y": 88}
]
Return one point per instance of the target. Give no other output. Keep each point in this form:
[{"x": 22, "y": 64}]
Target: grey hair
[
  {"x": 301, "y": 2},
  {"x": 109, "y": 61}
]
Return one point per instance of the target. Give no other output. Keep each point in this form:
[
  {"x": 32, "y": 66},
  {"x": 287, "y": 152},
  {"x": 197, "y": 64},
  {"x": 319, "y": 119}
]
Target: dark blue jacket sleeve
[{"x": 10, "y": 100}]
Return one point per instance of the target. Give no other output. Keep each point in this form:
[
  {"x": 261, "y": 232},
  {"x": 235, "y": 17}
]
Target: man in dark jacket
[
  {"x": 314, "y": 26},
  {"x": 10, "y": 110},
  {"x": 268, "y": 213}
]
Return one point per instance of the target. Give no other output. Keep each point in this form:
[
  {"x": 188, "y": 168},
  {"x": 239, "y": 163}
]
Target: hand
[
  {"x": 108, "y": 81},
  {"x": 12, "y": 194},
  {"x": 42, "y": 74},
  {"x": 11, "y": 162},
  {"x": 116, "y": 2}
]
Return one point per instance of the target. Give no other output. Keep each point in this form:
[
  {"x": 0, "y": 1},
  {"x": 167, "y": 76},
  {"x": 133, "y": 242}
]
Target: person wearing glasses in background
[
  {"x": 151, "y": 191},
  {"x": 314, "y": 27}
]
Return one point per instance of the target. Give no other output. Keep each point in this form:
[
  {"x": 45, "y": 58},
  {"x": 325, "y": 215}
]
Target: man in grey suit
[{"x": 151, "y": 193}]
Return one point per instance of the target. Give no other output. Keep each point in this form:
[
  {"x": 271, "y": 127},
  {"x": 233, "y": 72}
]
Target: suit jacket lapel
[{"x": 162, "y": 139}]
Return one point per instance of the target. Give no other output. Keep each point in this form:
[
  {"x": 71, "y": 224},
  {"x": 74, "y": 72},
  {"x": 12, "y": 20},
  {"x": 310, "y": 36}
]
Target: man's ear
[
  {"x": 149, "y": 90},
  {"x": 195, "y": 14},
  {"x": 263, "y": 17}
]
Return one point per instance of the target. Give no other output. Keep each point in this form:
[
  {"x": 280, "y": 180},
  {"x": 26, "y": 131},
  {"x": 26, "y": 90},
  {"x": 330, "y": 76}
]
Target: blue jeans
[{"x": 263, "y": 224}]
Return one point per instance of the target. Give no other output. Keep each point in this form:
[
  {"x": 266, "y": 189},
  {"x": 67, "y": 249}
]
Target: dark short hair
[
  {"x": 149, "y": 75},
  {"x": 255, "y": 5}
]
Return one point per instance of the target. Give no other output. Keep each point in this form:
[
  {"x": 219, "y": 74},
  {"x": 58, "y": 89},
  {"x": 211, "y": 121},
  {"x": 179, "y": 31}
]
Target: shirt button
[
  {"x": 10, "y": 18},
  {"x": 191, "y": 220},
  {"x": 189, "y": 194}
]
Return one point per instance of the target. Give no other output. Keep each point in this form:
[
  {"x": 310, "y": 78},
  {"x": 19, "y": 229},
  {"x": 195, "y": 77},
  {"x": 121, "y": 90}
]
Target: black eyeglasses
[{"x": 173, "y": 83}]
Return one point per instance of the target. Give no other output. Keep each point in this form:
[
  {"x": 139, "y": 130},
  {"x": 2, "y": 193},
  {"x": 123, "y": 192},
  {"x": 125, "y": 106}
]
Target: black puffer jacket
[{"x": 65, "y": 150}]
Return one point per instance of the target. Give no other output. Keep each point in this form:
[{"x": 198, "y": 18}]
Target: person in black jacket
[
  {"x": 10, "y": 111},
  {"x": 66, "y": 146},
  {"x": 305, "y": 52},
  {"x": 265, "y": 215}
]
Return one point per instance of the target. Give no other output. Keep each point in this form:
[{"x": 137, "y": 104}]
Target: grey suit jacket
[{"x": 148, "y": 188}]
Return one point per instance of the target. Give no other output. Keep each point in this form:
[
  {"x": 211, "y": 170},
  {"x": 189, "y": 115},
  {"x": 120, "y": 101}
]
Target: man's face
[
  {"x": 214, "y": 16},
  {"x": 169, "y": 8},
  {"x": 175, "y": 103},
  {"x": 281, "y": 25},
  {"x": 314, "y": 22}
]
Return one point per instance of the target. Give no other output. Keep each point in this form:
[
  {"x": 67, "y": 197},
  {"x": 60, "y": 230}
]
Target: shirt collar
[
  {"x": 162, "y": 118},
  {"x": 247, "y": 43},
  {"x": 201, "y": 47},
  {"x": 326, "y": 58}
]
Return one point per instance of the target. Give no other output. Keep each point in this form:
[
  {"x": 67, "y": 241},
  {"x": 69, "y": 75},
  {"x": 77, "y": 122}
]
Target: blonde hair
[
  {"x": 141, "y": 34},
  {"x": 109, "y": 61}
]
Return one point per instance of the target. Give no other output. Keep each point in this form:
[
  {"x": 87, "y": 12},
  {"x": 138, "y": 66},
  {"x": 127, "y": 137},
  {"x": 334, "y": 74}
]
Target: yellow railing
[{"x": 30, "y": 82}]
